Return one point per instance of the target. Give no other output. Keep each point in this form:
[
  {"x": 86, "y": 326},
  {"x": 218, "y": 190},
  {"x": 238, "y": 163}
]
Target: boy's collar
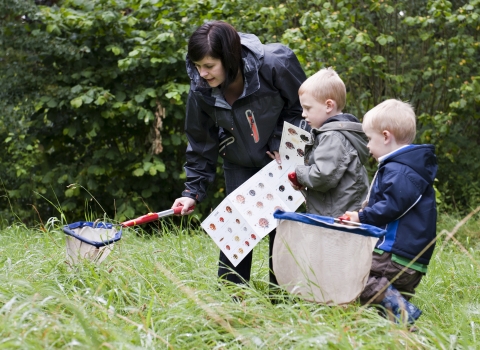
[{"x": 382, "y": 158}]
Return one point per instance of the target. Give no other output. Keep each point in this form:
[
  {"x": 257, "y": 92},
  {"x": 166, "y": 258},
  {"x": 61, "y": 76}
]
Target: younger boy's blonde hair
[
  {"x": 324, "y": 85},
  {"x": 393, "y": 115}
]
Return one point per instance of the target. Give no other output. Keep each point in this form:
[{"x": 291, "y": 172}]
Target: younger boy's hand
[{"x": 353, "y": 216}]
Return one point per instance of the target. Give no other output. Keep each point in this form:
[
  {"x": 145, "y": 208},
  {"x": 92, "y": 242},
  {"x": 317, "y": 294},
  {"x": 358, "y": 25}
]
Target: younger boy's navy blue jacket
[{"x": 402, "y": 200}]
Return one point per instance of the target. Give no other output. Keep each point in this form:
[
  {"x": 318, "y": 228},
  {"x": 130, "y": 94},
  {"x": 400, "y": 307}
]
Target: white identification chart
[{"x": 245, "y": 216}]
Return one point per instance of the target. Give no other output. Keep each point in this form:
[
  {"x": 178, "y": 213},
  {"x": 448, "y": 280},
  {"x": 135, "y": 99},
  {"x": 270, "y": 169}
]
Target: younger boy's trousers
[
  {"x": 235, "y": 176},
  {"x": 383, "y": 270}
]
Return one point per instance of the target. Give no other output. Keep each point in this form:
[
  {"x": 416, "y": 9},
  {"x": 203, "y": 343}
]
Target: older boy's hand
[
  {"x": 295, "y": 187},
  {"x": 353, "y": 216}
]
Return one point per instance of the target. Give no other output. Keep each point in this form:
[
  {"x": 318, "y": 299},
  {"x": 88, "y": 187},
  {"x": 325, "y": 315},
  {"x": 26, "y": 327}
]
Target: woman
[{"x": 241, "y": 93}]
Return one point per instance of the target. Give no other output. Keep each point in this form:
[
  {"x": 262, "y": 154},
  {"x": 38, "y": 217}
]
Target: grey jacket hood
[{"x": 351, "y": 128}]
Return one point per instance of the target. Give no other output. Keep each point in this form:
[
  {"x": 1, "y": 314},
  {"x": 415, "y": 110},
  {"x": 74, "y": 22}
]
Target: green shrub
[{"x": 93, "y": 92}]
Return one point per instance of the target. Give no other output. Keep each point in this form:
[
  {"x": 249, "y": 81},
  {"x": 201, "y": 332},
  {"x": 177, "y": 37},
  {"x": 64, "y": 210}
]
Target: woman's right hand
[{"x": 185, "y": 202}]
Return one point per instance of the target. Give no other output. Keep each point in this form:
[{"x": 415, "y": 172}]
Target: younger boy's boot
[{"x": 402, "y": 310}]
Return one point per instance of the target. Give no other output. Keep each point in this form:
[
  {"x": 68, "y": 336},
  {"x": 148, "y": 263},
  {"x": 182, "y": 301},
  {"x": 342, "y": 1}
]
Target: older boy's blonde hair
[
  {"x": 324, "y": 85},
  {"x": 395, "y": 116}
]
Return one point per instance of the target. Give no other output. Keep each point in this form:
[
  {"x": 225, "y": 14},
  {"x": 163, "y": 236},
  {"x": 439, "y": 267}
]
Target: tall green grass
[{"x": 160, "y": 291}]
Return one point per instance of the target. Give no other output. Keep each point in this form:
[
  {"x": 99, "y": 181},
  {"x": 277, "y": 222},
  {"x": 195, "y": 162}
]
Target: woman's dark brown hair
[{"x": 218, "y": 40}]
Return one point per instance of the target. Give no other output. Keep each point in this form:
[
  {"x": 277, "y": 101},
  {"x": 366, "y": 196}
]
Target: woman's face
[{"x": 211, "y": 69}]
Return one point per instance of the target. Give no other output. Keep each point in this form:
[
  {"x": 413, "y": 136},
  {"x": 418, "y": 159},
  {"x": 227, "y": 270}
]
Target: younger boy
[
  {"x": 333, "y": 179},
  {"x": 402, "y": 200}
]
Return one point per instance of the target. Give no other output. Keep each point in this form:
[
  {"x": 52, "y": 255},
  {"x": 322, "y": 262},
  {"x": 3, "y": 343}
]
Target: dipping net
[
  {"x": 321, "y": 260},
  {"x": 90, "y": 240}
]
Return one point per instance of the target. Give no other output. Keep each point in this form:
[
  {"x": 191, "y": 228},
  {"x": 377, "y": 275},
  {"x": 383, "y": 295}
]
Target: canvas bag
[{"x": 320, "y": 260}]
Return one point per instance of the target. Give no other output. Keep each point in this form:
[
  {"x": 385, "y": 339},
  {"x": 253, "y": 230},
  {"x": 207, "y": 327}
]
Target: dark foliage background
[{"x": 92, "y": 93}]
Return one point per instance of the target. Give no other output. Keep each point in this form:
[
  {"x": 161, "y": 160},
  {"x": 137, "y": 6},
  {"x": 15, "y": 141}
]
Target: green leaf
[
  {"x": 176, "y": 140},
  {"x": 76, "y": 102},
  {"x": 52, "y": 103},
  {"x": 87, "y": 99},
  {"x": 146, "y": 193},
  {"x": 138, "y": 172},
  {"x": 76, "y": 89},
  {"x": 133, "y": 53},
  {"x": 120, "y": 96},
  {"x": 53, "y": 28},
  {"x": 100, "y": 100},
  {"x": 140, "y": 98},
  {"x": 117, "y": 50},
  {"x": 382, "y": 40}
]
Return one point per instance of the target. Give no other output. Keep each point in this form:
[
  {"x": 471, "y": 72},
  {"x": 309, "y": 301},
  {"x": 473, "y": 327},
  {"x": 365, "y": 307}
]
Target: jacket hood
[
  {"x": 252, "y": 54},
  {"x": 351, "y": 128},
  {"x": 420, "y": 158}
]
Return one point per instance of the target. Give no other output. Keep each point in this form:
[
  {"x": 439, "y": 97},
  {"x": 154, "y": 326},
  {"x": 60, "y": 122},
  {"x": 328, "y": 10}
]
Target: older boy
[
  {"x": 334, "y": 178},
  {"x": 402, "y": 200}
]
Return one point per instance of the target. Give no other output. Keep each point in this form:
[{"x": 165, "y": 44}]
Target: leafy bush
[{"x": 93, "y": 92}]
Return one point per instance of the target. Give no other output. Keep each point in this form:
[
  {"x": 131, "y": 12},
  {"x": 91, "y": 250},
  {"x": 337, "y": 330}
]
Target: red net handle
[
  {"x": 293, "y": 178},
  {"x": 154, "y": 216}
]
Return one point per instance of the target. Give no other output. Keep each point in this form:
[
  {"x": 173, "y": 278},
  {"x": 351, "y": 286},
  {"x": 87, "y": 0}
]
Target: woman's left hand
[{"x": 275, "y": 155}]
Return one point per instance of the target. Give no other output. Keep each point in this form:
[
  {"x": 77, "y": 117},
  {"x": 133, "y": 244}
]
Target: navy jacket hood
[{"x": 421, "y": 158}]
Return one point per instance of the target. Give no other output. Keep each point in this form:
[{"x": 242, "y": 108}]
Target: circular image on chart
[
  {"x": 263, "y": 222},
  {"x": 240, "y": 199}
]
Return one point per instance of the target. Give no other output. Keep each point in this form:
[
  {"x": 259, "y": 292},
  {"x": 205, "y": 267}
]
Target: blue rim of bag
[
  {"x": 69, "y": 230},
  {"x": 329, "y": 222}
]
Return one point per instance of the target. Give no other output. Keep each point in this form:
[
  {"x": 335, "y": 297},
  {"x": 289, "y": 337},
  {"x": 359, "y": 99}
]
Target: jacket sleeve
[
  {"x": 394, "y": 196},
  {"x": 287, "y": 76},
  {"x": 202, "y": 150},
  {"x": 331, "y": 160}
]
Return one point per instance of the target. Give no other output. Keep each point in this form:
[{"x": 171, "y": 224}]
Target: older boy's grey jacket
[
  {"x": 335, "y": 176},
  {"x": 244, "y": 132}
]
